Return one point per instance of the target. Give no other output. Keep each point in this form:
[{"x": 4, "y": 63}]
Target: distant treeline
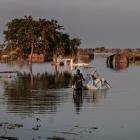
[
  {"x": 107, "y": 50},
  {"x": 131, "y": 53}
]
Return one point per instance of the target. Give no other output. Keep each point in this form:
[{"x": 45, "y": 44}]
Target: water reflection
[
  {"x": 90, "y": 97},
  {"x": 44, "y": 93},
  {"x": 78, "y": 101},
  {"x": 136, "y": 63},
  {"x": 45, "y": 97},
  {"x": 36, "y": 93},
  {"x": 95, "y": 97}
]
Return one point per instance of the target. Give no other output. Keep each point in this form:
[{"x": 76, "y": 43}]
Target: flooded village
[{"x": 52, "y": 88}]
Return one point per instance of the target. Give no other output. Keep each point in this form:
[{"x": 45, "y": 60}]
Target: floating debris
[
  {"x": 95, "y": 127},
  {"x": 8, "y": 138},
  {"x": 65, "y": 132},
  {"x": 90, "y": 131},
  {"x": 10, "y": 125},
  {"x": 35, "y": 128},
  {"x": 56, "y": 138},
  {"x": 14, "y": 126},
  {"x": 76, "y": 126}
]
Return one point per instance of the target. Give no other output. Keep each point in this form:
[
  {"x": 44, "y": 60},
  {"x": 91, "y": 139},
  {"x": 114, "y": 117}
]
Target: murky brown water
[{"x": 42, "y": 101}]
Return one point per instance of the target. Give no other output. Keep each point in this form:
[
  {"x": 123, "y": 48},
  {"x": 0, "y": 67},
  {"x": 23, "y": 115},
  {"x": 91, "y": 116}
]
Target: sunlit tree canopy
[{"x": 48, "y": 36}]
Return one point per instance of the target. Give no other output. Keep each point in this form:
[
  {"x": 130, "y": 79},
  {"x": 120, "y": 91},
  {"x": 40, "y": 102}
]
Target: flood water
[{"x": 42, "y": 101}]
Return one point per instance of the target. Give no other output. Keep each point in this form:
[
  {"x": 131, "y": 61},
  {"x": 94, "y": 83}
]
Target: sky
[{"x": 109, "y": 23}]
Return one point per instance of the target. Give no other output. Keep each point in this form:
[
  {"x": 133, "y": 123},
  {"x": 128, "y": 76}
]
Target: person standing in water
[{"x": 78, "y": 80}]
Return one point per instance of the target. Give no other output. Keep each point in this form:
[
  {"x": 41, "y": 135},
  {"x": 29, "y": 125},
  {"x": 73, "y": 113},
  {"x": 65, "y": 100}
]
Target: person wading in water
[{"x": 78, "y": 80}]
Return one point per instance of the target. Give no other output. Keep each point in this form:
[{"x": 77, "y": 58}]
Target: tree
[
  {"x": 74, "y": 45},
  {"x": 43, "y": 36}
]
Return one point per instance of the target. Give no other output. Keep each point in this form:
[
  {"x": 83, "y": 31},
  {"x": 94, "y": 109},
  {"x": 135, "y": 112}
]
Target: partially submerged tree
[{"x": 43, "y": 36}]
